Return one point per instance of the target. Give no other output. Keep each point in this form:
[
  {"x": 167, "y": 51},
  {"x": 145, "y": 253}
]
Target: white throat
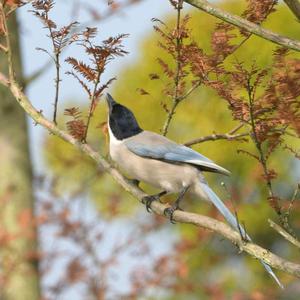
[{"x": 112, "y": 138}]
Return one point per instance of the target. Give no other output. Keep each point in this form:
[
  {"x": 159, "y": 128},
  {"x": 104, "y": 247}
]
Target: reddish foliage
[
  {"x": 173, "y": 43},
  {"x": 76, "y": 126},
  {"x": 80, "y": 67},
  {"x": 221, "y": 39},
  {"x": 89, "y": 266},
  {"x": 258, "y": 10},
  {"x": 266, "y": 101},
  {"x": 99, "y": 56}
]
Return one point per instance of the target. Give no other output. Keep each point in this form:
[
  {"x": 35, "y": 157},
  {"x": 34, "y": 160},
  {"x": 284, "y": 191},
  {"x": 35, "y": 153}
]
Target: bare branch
[
  {"x": 284, "y": 233},
  {"x": 176, "y": 99},
  {"x": 246, "y": 25},
  {"x": 294, "y": 6},
  {"x": 215, "y": 137}
]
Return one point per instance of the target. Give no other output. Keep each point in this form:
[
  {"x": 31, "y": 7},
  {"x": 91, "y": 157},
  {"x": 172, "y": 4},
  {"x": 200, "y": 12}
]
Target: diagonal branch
[
  {"x": 284, "y": 233},
  {"x": 294, "y": 6},
  {"x": 158, "y": 208},
  {"x": 245, "y": 24}
]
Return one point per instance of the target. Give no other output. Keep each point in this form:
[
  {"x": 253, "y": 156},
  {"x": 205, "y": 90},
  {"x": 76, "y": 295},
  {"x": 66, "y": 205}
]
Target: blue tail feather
[{"x": 231, "y": 219}]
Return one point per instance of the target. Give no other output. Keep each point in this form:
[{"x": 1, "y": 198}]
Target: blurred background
[{"x": 95, "y": 240}]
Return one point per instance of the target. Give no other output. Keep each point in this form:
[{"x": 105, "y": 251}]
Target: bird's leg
[
  {"x": 169, "y": 211},
  {"x": 147, "y": 200}
]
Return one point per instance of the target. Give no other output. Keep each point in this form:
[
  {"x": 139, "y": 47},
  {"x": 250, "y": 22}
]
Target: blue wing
[{"x": 152, "y": 145}]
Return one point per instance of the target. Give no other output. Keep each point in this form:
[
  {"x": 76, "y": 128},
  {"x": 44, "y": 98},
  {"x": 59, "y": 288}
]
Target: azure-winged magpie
[{"x": 164, "y": 164}]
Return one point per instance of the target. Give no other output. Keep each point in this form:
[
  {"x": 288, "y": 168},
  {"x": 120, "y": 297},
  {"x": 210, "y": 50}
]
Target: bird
[{"x": 172, "y": 168}]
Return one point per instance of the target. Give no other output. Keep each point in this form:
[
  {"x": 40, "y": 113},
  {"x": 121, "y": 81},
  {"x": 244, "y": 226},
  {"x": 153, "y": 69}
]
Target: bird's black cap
[{"x": 122, "y": 121}]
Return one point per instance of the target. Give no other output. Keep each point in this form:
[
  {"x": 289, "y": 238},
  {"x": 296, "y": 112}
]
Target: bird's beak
[{"x": 110, "y": 101}]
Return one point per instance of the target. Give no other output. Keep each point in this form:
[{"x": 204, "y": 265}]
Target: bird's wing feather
[{"x": 152, "y": 145}]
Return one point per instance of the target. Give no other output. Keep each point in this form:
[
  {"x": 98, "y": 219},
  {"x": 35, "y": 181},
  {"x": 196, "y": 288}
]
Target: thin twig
[
  {"x": 262, "y": 158},
  {"x": 193, "y": 88},
  {"x": 92, "y": 105},
  {"x": 93, "y": 97},
  {"x": 56, "y": 59},
  {"x": 57, "y": 81},
  {"x": 245, "y": 24},
  {"x": 215, "y": 137},
  {"x": 286, "y": 215},
  {"x": 176, "y": 99},
  {"x": 237, "y": 128},
  {"x": 284, "y": 233},
  {"x": 293, "y": 198}
]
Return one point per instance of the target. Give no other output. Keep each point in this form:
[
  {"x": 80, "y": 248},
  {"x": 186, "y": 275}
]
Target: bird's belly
[{"x": 162, "y": 175}]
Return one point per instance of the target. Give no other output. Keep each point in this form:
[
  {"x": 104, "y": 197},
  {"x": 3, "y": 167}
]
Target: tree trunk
[{"x": 19, "y": 278}]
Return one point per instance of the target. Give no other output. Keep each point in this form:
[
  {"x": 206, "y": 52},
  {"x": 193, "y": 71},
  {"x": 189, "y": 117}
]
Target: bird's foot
[
  {"x": 169, "y": 211},
  {"x": 147, "y": 200}
]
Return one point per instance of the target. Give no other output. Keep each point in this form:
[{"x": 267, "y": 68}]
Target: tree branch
[
  {"x": 294, "y": 6},
  {"x": 284, "y": 233},
  {"x": 215, "y": 137},
  {"x": 245, "y": 24},
  {"x": 176, "y": 99},
  {"x": 158, "y": 208},
  {"x": 110, "y": 13}
]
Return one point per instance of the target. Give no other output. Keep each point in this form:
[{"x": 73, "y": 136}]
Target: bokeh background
[{"x": 98, "y": 232}]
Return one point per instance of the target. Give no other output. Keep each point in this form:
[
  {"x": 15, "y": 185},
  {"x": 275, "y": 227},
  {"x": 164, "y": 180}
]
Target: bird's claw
[
  {"x": 147, "y": 200},
  {"x": 169, "y": 212}
]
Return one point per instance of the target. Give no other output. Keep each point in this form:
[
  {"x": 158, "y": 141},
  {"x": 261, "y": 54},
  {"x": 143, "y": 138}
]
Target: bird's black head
[{"x": 121, "y": 120}]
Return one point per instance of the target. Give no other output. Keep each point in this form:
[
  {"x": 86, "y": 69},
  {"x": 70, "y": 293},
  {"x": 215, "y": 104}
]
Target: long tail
[{"x": 231, "y": 219}]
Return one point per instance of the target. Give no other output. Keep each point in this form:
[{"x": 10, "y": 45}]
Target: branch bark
[
  {"x": 284, "y": 233},
  {"x": 294, "y": 6},
  {"x": 215, "y": 137},
  {"x": 158, "y": 208},
  {"x": 245, "y": 24}
]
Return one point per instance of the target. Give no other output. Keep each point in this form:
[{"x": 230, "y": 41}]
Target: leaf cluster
[
  {"x": 264, "y": 100},
  {"x": 99, "y": 56},
  {"x": 76, "y": 125},
  {"x": 60, "y": 37},
  {"x": 173, "y": 41},
  {"x": 89, "y": 74},
  {"x": 258, "y": 10}
]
